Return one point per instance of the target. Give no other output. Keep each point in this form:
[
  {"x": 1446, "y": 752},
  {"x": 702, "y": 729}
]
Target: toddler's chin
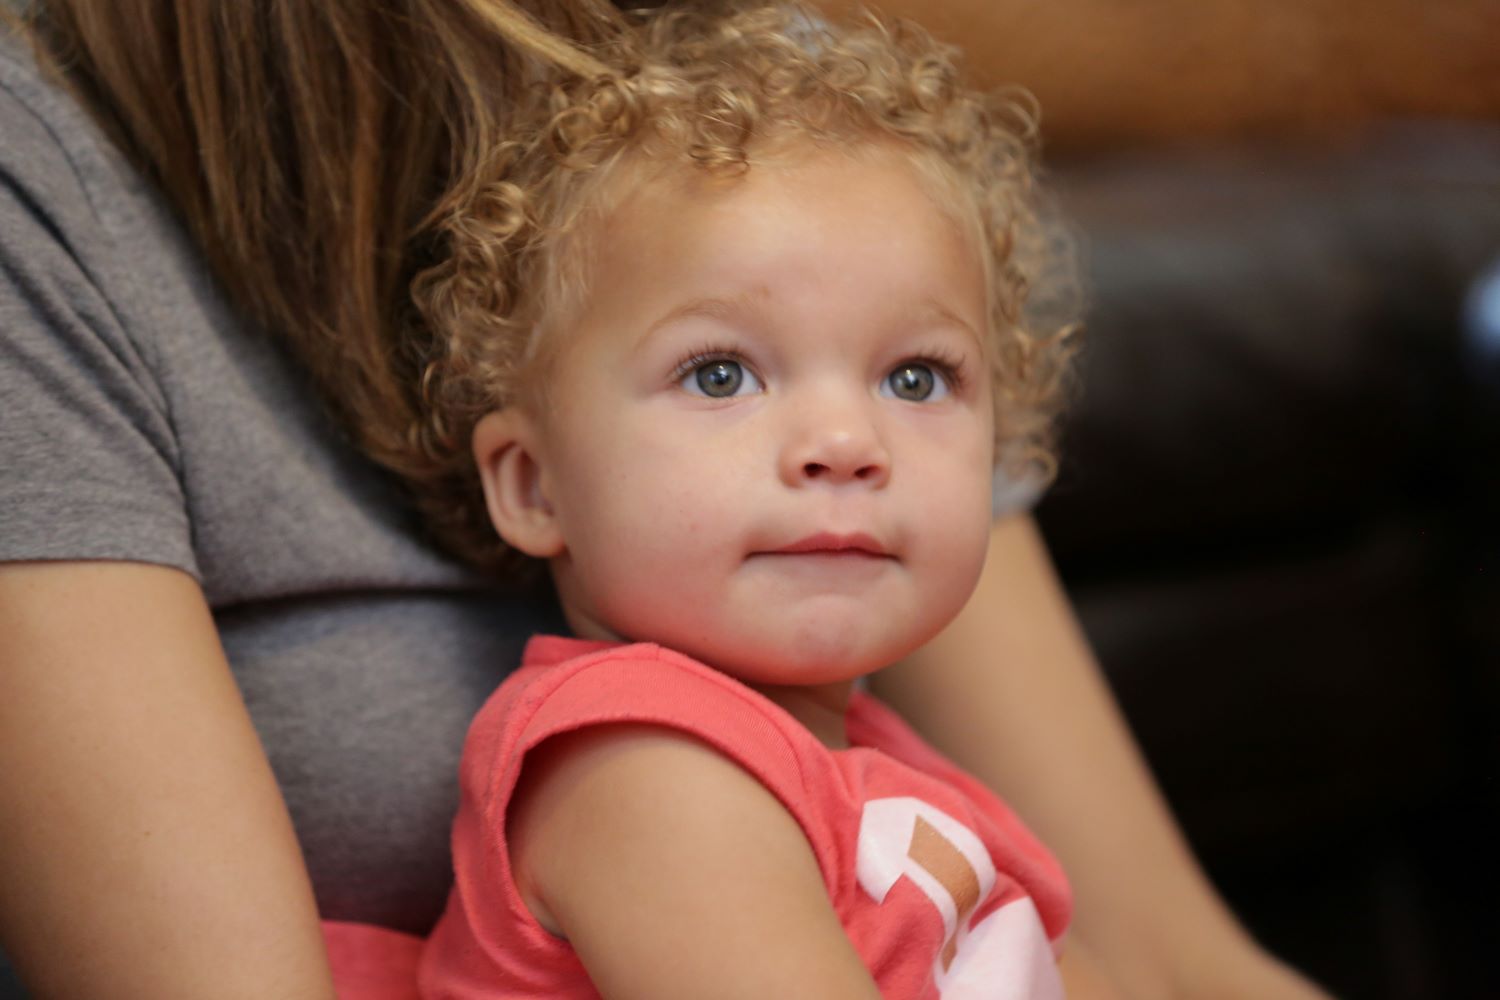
[{"x": 827, "y": 659}]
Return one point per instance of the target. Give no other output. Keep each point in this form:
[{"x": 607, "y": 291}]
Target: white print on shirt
[{"x": 1007, "y": 955}]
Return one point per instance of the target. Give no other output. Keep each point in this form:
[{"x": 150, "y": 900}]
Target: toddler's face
[{"x": 770, "y": 438}]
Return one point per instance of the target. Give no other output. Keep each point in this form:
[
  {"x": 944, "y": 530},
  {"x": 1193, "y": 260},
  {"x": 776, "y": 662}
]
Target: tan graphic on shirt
[
  {"x": 1005, "y": 956},
  {"x": 946, "y": 863}
]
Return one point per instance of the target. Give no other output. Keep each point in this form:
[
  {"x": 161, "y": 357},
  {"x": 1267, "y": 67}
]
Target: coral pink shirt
[{"x": 941, "y": 888}]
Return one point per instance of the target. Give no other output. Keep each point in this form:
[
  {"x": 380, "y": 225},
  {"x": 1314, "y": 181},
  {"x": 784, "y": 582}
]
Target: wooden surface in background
[{"x": 1109, "y": 72}]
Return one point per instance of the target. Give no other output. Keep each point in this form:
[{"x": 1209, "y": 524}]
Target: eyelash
[
  {"x": 948, "y": 364},
  {"x": 703, "y": 356}
]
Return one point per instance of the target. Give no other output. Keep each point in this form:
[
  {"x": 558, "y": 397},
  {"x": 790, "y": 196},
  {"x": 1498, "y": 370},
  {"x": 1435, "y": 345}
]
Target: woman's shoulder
[
  {"x": 206, "y": 426},
  {"x": 86, "y": 236},
  {"x": 56, "y": 157},
  {"x": 35, "y": 113}
]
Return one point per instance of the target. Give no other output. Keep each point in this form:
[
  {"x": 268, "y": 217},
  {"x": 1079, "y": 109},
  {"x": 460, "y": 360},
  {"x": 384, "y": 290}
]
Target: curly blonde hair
[{"x": 715, "y": 87}]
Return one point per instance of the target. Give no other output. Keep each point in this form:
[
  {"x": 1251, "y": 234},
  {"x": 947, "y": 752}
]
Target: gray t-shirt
[{"x": 141, "y": 422}]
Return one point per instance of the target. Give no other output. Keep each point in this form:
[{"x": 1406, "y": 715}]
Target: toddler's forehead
[{"x": 639, "y": 191}]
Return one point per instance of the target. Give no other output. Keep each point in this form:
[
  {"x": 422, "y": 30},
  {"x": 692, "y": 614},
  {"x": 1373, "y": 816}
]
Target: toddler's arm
[{"x": 674, "y": 873}]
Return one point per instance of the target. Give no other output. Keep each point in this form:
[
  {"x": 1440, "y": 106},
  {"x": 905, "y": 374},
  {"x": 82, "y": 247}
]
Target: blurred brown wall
[{"x": 1114, "y": 71}]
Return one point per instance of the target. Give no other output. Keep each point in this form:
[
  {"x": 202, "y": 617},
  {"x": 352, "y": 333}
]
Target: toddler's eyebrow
[
  {"x": 931, "y": 312},
  {"x": 750, "y": 303}
]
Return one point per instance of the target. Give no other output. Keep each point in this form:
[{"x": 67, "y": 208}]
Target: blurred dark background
[{"x": 1279, "y": 515}]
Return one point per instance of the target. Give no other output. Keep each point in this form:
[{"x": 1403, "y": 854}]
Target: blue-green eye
[
  {"x": 915, "y": 383},
  {"x": 720, "y": 378}
]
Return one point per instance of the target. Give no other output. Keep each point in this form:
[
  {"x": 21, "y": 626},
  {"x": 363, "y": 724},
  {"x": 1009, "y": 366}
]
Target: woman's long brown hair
[{"x": 306, "y": 144}]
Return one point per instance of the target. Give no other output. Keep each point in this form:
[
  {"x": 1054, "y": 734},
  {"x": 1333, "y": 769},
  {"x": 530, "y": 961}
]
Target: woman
[{"x": 235, "y": 676}]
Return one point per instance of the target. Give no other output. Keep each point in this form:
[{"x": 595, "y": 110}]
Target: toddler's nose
[{"x": 835, "y": 447}]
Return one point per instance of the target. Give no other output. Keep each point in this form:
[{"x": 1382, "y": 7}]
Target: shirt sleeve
[{"x": 88, "y": 458}]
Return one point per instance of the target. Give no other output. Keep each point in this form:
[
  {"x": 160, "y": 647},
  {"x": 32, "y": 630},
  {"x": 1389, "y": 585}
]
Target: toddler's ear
[{"x": 504, "y": 450}]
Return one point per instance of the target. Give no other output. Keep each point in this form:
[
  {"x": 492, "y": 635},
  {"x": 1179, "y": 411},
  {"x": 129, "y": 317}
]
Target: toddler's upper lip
[{"x": 832, "y": 543}]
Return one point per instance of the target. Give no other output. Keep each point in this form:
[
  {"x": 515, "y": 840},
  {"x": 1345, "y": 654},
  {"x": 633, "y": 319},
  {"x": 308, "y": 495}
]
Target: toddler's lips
[{"x": 827, "y": 543}]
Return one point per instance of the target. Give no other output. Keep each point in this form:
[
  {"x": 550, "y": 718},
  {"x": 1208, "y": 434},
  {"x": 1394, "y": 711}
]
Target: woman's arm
[
  {"x": 1082, "y": 978},
  {"x": 1011, "y": 692},
  {"x": 145, "y": 851}
]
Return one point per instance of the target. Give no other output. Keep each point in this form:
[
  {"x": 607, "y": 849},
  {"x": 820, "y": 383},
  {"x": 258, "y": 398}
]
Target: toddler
[{"x": 730, "y": 337}]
